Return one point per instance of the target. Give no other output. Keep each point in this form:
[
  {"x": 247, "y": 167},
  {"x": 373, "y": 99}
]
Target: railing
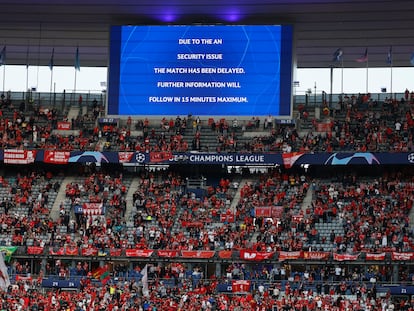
[
  {"x": 389, "y": 255},
  {"x": 329, "y": 286},
  {"x": 65, "y": 100},
  {"x": 60, "y": 101},
  {"x": 323, "y": 99}
]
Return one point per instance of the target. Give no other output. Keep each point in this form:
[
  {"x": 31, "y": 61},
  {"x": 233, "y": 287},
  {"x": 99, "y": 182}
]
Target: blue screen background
[{"x": 262, "y": 53}]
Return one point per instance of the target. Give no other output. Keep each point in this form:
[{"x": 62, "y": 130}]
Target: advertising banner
[
  {"x": 17, "y": 156},
  {"x": 254, "y": 255}
]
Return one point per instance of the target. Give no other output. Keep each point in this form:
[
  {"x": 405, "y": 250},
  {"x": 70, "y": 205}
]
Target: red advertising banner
[
  {"x": 225, "y": 254},
  {"x": 345, "y": 257},
  {"x": 72, "y": 250},
  {"x": 255, "y": 256},
  {"x": 89, "y": 251},
  {"x": 60, "y": 251},
  {"x": 160, "y": 156},
  {"x": 402, "y": 256},
  {"x": 64, "y": 125},
  {"x": 316, "y": 255},
  {"x": 197, "y": 254},
  {"x": 16, "y": 156},
  {"x": 34, "y": 250},
  {"x": 138, "y": 253},
  {"x": 125, "y": 157},
  {"x": 371, "y": 256},
  {"x": 289, "y": 255},
  {"x": 168, "y": 254},
  {"x": 240, "y": 286},
  {"x": 56, "y": 157},
  {"x": 115, "y": 252}
]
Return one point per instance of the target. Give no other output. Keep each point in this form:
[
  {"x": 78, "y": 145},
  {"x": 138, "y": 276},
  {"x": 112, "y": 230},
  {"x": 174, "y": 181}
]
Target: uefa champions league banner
[
  {"x": 286, "y": 159},
  {"x": 12, "y": 156},
  {"x": 339, "y": 158},
  {"x": 223, "y": 158}
]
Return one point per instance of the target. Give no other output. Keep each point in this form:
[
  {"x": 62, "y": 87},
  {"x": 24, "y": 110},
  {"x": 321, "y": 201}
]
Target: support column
[
  {"x": 395, "y": 276},
  {"x": 217, "y": 273}
]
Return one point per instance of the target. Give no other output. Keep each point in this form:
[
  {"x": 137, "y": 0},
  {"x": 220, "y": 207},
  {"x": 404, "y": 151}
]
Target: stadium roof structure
[{"x": 30, "y": 29}]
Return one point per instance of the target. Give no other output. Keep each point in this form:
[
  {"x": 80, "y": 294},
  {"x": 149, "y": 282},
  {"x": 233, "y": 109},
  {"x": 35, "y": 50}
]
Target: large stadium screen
[{"x": 202, "y": 70}]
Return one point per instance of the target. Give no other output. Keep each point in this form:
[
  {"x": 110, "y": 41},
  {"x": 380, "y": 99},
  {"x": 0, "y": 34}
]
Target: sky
[
  {"x": 355, "y": 80},
  {"x": 92, "y": 79},
  {"x": 20, "y": 78}
]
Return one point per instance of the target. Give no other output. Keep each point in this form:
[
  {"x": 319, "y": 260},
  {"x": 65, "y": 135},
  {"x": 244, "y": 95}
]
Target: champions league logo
[
  {"x": 179, "y": 158},
  {"x": 140, "y": 157},
  {"x": 352, "y": 158},
  {"x": 410, "y": 158}
]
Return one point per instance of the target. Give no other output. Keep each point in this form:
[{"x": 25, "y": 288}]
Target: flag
[
  {"x": 77, "y": 63},
  {"x": 363, "y": 58},
  {"x": 3, "y": 56},
  {"x": 412, "y": 59},
  {"x": 337, "y": 56},
  {"x": 4, "y": 275},
  {"x": 27, "y": 58},
  {"x": 7, "y": 252},
  {"x": 102, "y": 274},
  {"x": 389, "y": 56},
  {"x": 52, "y": 59},
  {"x": 144, "y": 272}
]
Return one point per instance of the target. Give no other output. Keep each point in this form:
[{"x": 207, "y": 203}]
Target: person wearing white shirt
[
  {"x": 269, "y": 122},
  {"x": 397, "y": 126}
]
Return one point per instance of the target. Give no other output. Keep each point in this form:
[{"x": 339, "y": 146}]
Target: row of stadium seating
[{"x": 386, "y": 126}]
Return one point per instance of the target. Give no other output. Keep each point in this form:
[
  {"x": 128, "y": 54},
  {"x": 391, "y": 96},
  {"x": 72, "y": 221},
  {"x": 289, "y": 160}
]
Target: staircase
[
  {"x": 307, "y": 200},
  {"x": 130, "y": 209},
  {"x": 73, "y": 112},
  {"x": 61, "y": 197}
]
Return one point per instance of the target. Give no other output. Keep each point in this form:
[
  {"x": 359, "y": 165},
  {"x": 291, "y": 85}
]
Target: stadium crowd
[
  {"x": 373, "y": 213},
  {"x": 128, "y": 295},
  {"x": 353, "y": 123},
  {"x": 387, "y": 204}
]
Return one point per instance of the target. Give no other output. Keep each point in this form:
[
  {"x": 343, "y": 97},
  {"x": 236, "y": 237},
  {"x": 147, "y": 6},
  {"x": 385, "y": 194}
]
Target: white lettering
[
  {"x": 156, "y": 99},
  {"x": 191, "y": 56},
  {"x": 232, "y": 100},
  {"x": 250, "y": 158},
  {"x": 213, "y": 84},
  {"x": 214, "y": 56},
  {"x": 170, "y": 84},
  {"x": 249, "y": 255},
  {"x": 211, "y": 158},
  {"x": 202, "y": 99},
  {"x": 184, "y": 41},
  {"x": 176, "y": 70}
]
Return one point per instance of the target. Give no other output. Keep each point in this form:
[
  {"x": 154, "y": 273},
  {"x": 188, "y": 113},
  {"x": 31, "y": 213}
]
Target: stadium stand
[{"x": 89, "y": 236}]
